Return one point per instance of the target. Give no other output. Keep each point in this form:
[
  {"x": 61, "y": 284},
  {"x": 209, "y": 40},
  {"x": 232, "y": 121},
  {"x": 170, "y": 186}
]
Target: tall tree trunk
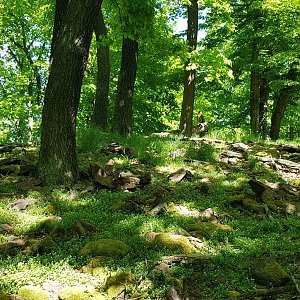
[
  {"x": 283, "y": 100},
  {"x": 186, "y": 118},
  {"x": 263, "y": 104},
  {"x": 58, "y": 156},
  {"x": 254, "y": 91},
  {"x": 100, "y": 114},
  {"x": 123, "y": 120}
]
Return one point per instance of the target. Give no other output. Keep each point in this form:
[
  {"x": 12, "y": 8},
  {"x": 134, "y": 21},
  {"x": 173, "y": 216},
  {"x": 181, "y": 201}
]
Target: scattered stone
[
  {"x": 227, "y": 153},
  {"x": 161, "y": 134},
  {"x": 6, "y": 228},
  {"x": 179, "y": 175},
  {"x": 208, "y": 215},
  {"x": 158, "y": 209},
  {"x": 13, "y": 242},
  {"x": 241, "y": 147},
  {"x": 29, "y": 292},
  {"x": 173, "y": 294},
  {"x": 174, "y": 241},
  {"x": 22, "y": 204},
  {"x": 205, "y": 229},
  {"x": 53, "y": 288},
  {"x": 105, "y": 247},
  {"x": 269, "y": 272}
]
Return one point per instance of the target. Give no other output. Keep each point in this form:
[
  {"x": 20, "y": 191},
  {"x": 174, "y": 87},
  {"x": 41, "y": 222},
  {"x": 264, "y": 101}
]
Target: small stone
[
  {"x": 6, "y": 228},
  {"x": 29, "y": 292},
  {"x": 105, "y": 247}
]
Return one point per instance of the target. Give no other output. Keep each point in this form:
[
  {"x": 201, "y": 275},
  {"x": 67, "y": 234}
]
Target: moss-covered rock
[
  {"x": 117, "y": 283},
  {"x": 205, "y": 229},
  {"x": 174, "y": 241},
  {"x": 269, "y": 272},
  {"x": 73, "y": 293},
  {"x": 29, "y": 292},
  {"x": 253, "y": 206},
  {"x": 4, "y": 296},
  {"x": 95, "y": 267},
  {"x": 105, "y": 247},
  {"x": 80, "y": 293}
]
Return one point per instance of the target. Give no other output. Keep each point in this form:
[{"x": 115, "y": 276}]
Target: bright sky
[{"x": 181, "y": 25}]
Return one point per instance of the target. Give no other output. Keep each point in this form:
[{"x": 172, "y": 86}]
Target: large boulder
[{"x": 105, "y": 247}]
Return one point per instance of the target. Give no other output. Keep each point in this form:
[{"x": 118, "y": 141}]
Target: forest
[{"x": 149, "y": 149}]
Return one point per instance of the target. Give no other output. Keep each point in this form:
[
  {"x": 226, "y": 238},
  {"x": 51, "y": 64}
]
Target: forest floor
[{"x": 155, "y": 217}]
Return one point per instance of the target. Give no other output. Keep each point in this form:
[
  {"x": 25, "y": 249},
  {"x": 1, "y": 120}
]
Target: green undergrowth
[{"x": 230, "y": 254}]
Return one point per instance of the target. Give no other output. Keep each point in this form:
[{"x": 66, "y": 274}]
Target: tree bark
[
  {"x": 186, "y": 118},
  {"x": 263, "y": 103},
  {"x": 70, "y": 47},
  {"x": 254, "y": 91},
  {"x": 100, "y": 113},
  {"x": 123, "y": 119},
  {"x": 284, "y": 98}
]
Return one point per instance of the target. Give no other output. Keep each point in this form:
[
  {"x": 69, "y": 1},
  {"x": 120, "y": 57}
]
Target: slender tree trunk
[
  {"x": 186, "y": 118},
  {"x": 254, "y": 91},
  {"x": 70, "y": 47},
  {"x": 263, "y": 104},
  {"x": 283, "y": 100},
  {"x": 123, "y": 120},
  {"x": 100, "y": 114}
]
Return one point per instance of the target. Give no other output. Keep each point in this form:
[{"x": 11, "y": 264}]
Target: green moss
[
  {"x": 174, "y": 241},
  {"x": 73, "y": 293},
  {"x": 32, "y": 293},
  {"x": 268, "y": 272},
  {"x": 253, "y": 206},
  {"x": 105, "y": 247},
  {"x": 206, "y": 228},
  {"x": 117, "y": 283},
  {"x": 4, "y": 296}
]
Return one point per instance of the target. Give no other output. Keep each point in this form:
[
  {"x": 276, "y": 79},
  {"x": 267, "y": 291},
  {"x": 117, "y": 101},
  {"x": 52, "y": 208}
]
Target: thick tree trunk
[
  {"x": 283, "y": 100},
  {"x": 58, "y": 157},
  {"x": 254, "y": 92},
  {"x": 100, "y": 114},
  {"x": 123, "y": 120},
  {"x": 186, "y": 118}
]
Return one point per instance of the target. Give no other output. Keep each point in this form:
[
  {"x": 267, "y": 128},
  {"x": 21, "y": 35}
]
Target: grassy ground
[{"x": 231, "y": 254}]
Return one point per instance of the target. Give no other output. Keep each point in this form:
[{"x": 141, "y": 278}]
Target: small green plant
[{"x": 202, "y": 152}]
